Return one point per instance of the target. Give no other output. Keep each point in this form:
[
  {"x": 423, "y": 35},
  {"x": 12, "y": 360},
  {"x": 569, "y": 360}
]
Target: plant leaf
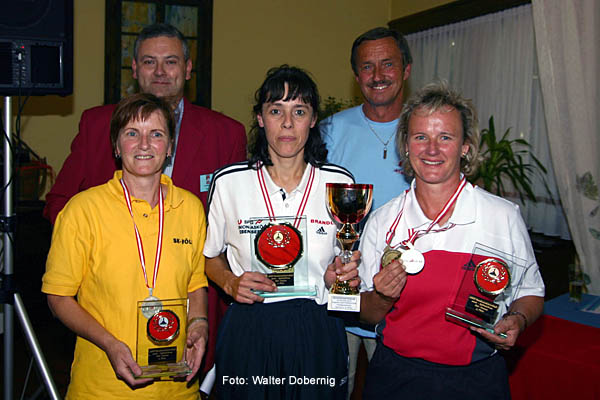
[{"x": 504, "y": 159}]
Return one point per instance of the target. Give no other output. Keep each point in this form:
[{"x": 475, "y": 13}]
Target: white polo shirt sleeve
[
  {"x": 531, "y": 283},
  {"x": 216, "y": 236}
]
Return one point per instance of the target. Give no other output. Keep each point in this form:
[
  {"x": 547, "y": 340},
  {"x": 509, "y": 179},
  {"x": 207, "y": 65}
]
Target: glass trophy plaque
[
  {"x": 490, "y": 276},
  {"x": 279, "y": 250},
  {"x": 161, "y": 338}
]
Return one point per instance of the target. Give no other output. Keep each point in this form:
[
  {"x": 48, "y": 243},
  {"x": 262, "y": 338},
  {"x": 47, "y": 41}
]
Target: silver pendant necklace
[{"x": 385, "y": 144}]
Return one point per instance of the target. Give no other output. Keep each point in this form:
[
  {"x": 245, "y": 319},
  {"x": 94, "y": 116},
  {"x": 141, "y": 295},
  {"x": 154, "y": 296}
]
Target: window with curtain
[{"x": 492, "y": 60}]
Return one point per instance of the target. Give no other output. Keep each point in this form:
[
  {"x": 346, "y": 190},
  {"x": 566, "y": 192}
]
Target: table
[
  {"x": 561, "y": 307},
  {"x": 557, "y": 358}
]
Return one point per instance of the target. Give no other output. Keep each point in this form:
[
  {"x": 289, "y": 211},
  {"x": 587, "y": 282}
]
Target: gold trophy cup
[{"x": 348, "y": 204}]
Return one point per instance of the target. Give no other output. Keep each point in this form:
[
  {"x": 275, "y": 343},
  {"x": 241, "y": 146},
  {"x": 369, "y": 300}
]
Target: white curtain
[
  {"x": 492, "y": 60},
  {"x": 568, "y": 50}
]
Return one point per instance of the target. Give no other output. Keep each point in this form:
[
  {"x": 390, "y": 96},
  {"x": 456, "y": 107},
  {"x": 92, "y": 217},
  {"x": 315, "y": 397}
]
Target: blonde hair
[{"x": 438, "y": 96}]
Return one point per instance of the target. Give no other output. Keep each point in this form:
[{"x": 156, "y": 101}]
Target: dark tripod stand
[{"x": 11, "y": 299}]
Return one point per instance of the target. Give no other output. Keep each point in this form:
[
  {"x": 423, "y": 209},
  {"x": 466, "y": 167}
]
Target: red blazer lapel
[{"x": 191, "y": 138}]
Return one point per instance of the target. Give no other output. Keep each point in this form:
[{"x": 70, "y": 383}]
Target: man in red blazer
[{"x": 205, "y": 140}]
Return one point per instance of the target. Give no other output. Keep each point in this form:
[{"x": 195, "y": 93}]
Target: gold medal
[
  {"x": 389, "y": 255},
  {"x": 412, "y": 259}
]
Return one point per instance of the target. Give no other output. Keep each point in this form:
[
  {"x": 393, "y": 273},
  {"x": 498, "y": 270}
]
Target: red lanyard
[
  {"x": 140, "y": 246},
  {"x": 413, "y": 235},
  {"x": 266, "y": 198}
]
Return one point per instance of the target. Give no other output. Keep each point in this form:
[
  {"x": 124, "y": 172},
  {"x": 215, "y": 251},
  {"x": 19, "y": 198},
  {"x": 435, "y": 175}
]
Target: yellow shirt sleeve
[{"x": 69, "y": 253}]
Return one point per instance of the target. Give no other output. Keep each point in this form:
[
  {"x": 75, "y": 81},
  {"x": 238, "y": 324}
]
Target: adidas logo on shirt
[{"x": 321, "y": 231}]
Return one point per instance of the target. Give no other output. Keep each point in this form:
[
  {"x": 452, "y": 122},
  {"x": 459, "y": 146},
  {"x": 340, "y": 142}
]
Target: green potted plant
[{"x": 503, "y": 161}]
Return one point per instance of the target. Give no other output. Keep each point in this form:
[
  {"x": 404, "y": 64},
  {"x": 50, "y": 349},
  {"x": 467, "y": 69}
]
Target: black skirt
[
  {"x": 286, "y": 350},
  {"x": 391, "y": 376}
]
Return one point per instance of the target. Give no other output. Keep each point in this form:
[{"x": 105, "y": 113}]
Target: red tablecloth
[{"x": 556, "y": 359}]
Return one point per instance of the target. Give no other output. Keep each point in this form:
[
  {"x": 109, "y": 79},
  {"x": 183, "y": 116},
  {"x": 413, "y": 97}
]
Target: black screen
[
  {"x": 6, "y": 70},
  {"x": 45, "y": 64}
]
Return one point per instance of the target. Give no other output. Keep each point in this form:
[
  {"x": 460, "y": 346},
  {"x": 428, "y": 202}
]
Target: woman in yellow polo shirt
[{"x": 135, "y": 238}]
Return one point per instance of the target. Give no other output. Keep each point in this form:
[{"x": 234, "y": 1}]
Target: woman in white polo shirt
[
  {"x": 278, "y": 347},
  {"x": 462, "y": 240}
]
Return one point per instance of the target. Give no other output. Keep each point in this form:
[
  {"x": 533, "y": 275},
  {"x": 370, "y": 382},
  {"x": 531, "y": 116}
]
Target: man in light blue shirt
[{"x": 363, "y": 138}]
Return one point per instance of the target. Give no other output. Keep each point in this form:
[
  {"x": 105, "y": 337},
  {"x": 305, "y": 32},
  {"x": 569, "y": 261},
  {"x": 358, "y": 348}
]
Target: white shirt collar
[
  {"x": 464, "y": 212},
  {"x": 301, "y": 188}
]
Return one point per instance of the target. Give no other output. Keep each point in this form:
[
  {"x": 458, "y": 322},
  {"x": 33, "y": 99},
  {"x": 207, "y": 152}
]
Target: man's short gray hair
[{"x": 158, "y": 30}]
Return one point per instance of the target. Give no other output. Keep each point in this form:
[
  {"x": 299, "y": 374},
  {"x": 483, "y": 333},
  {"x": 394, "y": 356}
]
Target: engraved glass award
[
  {"x": 490, "y": 276},
  {"x": 161, "y": 338}
]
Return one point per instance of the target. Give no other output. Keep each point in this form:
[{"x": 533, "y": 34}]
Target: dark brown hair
[
  {"x": 139, "y": 107},
  {"x": 299, "y": 86}
]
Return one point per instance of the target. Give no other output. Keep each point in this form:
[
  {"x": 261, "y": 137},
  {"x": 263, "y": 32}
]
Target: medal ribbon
[
  {"x": 265, "y": 193},
  {"x": 303, "y": 202},
  {"x": 392, "y": 231},
  {"x": 413, "y": 235},
  {"x": 140, "y": 246}
]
